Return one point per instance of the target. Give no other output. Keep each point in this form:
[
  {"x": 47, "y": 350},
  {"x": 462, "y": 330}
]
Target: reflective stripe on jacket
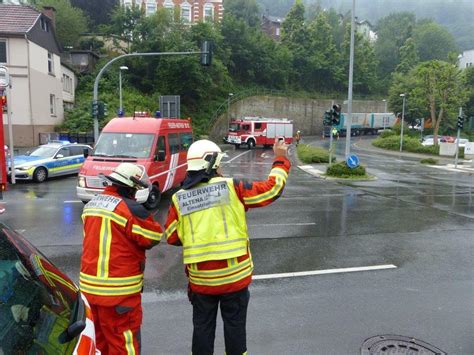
[
  {"x": 117, "y": 231},
  {"x": 212, "y": 222},
  {"x": 217, "y": 277}
]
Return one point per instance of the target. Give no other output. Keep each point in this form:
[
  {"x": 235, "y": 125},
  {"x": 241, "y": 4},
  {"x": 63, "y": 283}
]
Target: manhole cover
[{"x": 396, "y": 344}]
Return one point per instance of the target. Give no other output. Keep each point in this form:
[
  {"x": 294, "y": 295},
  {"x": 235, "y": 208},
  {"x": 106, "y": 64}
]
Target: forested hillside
[{"x": 456, "y": 15}]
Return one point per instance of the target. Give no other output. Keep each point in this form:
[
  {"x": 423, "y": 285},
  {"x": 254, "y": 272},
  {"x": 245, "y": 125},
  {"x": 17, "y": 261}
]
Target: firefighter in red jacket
[
  {"x": 117, "y": 231},
  {"x": 207, "y": 217}
]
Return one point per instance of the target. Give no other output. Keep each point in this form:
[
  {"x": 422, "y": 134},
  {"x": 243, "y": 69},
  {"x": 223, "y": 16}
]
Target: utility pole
[
  {"x": 403, "y": 121},
  {"x": 460, "y": 125},
  {"x": 351, "y": 81}
]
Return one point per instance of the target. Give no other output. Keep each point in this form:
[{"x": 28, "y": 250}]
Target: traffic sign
[{"x": 353, "y": 161}]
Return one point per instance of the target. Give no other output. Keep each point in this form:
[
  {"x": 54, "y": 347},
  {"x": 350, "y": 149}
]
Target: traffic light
[
  {"x": 94, "y": 109},
  {"x": 327, "y": 120},
  {"x": 206, "y": 53},
  {"x": 336, "y": 114},
  {"x": 460, "y": 122},
  {"x": 102, "y": 110}
]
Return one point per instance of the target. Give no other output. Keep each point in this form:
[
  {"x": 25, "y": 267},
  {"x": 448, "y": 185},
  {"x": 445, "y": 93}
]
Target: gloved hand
[{"x": 20, "y": 312}]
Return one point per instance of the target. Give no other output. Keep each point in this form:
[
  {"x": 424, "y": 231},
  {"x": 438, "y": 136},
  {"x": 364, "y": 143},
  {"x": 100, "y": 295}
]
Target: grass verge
[
  {"x": 429, "y": 161},
  {"x": 308, "y": 154}
]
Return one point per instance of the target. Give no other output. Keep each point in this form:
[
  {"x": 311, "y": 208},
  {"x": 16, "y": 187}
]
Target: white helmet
[
  {"x": 130, "y": 175},
  {"x": 200, "y": 154}
]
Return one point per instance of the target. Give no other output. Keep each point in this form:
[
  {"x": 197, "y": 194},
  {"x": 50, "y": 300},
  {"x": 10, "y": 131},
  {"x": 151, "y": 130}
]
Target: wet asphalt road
[{"x": 418, "y": 218}]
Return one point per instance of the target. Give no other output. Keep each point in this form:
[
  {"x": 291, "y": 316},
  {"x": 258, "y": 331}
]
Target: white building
[
  {"x": 466, "y": 59},
  {"x": 40, "y": 84}
]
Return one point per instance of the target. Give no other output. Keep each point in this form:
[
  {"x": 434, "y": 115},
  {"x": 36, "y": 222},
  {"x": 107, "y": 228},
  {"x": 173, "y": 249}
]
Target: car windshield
[
  {"x": 234, "y": 127},
  {"x": 124, "y": 145},
  {"x": 36, "y": 300},
  {"x": 43, "y": 152}
]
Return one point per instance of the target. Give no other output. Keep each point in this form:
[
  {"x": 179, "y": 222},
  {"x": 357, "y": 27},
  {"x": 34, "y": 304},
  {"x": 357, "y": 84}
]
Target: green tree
[
  {"x": 365, "y": 63},
  {"x": 294, "y": 36},
  {"x": 408, "y": 57},
  {"x": 434, "y": 89},
  {"x": 99, "y": 12},
  {"x": 468, "y": 77},
  {"x": 124, "y": 26},
  {"x": 393, "y": 31},
  {"x": 71, "y": 21},
  {"x": 293, "y": 30},
  {"x": 433, "y": 41},
  {"x": 247, "y": 10},
  {"x": 323, "y": 70},
  {"x": 253, "y": 57}
]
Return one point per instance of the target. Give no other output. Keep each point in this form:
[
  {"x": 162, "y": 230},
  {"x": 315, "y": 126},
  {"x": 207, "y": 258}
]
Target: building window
[
  {"x": 67, "y": 83},
  {"x": 186, "y": 13},
  {"x": 208, "y": 13},
  {"x": 52, "y": 104},
  {"x": 44, "y": 24},
  {"x": 150, "y": 7},
  {"x": 50, "y": 63},
  {"x": 127, "y": 4},
  {"x": 3, "y": 51},
  {"x": 168, "y": 4},
  {"x": 277, "y": 31}
]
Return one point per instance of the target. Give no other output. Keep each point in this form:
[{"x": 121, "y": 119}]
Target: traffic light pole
[
  {"x": 101, "y": 72},
  {"x": 330, "y": 145},
  {"x": 457, "y": 141}
]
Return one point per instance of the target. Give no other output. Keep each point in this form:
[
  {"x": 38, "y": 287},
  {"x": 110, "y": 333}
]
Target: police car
[{"x": 52, "y": 159}]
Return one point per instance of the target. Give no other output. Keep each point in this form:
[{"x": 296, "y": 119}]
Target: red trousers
[{"x": 117, "y": 329}]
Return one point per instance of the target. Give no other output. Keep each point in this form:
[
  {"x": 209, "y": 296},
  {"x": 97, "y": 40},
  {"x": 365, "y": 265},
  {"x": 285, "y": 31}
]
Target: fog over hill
[{"x": 456, "y": 15}]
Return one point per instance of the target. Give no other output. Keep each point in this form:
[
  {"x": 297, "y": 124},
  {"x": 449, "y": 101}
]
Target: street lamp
[
  {"x": 385, "y": 102},
  {"x": 228, "y": 106},
  {"x": 123, "y": 67},
  {"x": 403, "y": 120},
  {"x": 351, "y": 83}
]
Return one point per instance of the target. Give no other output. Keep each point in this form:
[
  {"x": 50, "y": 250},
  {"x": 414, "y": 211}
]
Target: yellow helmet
[{"x": 200, "y": 154}]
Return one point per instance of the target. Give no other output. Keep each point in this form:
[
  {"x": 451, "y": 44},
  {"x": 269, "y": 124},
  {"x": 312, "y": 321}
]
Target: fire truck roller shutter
[
  {"x": 271, "y": 130},
  {"x": 288, "y": 130}
]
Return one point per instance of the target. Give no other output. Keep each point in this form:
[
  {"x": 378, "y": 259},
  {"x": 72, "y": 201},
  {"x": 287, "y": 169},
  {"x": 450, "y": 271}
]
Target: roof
[
  {"x": 17, "y": 19},
  {"x": 144, "y": 124},
  {"x": 273, "y": 19}
]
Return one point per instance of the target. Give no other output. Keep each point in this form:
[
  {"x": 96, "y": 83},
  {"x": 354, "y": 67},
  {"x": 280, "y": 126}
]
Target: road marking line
[
  {"x": 20, "y": 231},
  {"x": 73, "y": 201},
  {"x": 238, "y": 156},
  {"x": 283, "y": 224},
  {"x": 323, "y": 272}
]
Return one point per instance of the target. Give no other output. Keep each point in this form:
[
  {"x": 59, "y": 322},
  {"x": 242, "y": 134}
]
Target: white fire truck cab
[{"x": 254, "y": 131}]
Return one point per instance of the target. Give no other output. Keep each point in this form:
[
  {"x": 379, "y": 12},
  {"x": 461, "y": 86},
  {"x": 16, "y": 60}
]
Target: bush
[
  {"x": 410, "y": 144},
  {"x": 343, "y": 171},
  {"x": 397, "y": 128},
  {"x": 429, "y": 161},
  {"x": 387, "y": 133},
  {"x": 308, "y": 154}
]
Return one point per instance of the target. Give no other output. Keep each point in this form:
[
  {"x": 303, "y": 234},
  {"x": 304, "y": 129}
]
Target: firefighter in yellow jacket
[{"x": 207, "y": 218}]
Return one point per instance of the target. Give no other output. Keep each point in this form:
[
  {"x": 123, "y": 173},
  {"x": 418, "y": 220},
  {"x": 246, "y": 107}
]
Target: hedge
[{"x": 343, "y": 171}]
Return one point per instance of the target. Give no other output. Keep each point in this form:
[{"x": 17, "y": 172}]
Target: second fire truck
[{"x": 253, "y": 131}]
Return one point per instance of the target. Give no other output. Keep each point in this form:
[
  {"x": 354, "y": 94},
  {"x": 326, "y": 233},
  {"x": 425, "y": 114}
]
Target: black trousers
[{"x": 234, "y": 315}]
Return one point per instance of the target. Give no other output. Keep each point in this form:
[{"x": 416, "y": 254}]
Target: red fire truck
[{"x": 254, "y": 131}]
